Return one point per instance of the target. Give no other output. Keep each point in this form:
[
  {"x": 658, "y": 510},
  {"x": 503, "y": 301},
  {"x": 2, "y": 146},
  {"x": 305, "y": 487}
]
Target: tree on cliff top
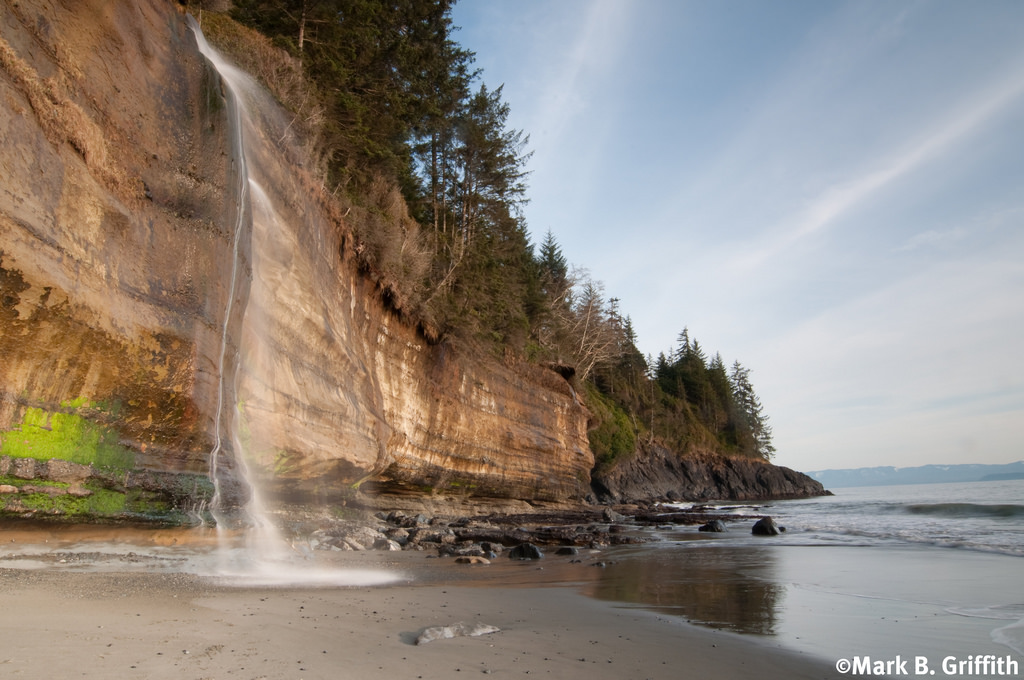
[
  {"x": 404, "y": 112},
  {"x": 751, "y": 411}
]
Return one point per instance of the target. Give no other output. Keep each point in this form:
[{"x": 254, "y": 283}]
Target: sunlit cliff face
[{"x": 119, "y": 303}]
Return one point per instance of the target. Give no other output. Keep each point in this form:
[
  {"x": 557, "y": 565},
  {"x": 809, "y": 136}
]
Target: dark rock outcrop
[
  {"x": 715, "y": 526},
  {"x": 766, "y": 526},
  {"x": 657, "y": 473},
  {"x": 525, "y": 551}
]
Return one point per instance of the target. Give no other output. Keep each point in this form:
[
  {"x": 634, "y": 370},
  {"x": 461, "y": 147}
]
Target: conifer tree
[
  {"x": 751, "y": 411},
  {"x": 554, "y": 268}
]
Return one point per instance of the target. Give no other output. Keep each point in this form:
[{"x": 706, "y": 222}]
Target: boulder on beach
[
  {"x": 612, "y": 517},
  {"x": 766, "y": 526},
  {"x": 716, "y": 526},
  {"x": 525, "y": 551},
  {"x": 460, "y": 629}
]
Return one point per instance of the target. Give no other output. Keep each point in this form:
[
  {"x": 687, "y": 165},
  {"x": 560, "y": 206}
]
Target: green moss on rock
[
  {"x": 68, "y": 436},
  {"x": 101, "y": 502}
]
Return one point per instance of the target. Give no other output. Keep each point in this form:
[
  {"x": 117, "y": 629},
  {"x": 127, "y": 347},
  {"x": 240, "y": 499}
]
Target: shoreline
[
  {"x": 806, "y": 597},
  {"x": 144, "y": 625}
]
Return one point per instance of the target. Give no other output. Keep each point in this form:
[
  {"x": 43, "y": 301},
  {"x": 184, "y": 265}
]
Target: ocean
[
  {"x": 930, "y": 572},
  {"x": 979, "y": 516}
]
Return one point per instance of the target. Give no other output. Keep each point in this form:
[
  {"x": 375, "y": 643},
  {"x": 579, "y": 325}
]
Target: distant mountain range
[{"x": 925, "y": 474}]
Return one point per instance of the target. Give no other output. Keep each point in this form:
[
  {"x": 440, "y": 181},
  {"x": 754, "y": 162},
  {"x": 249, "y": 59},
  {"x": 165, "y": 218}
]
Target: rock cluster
[
  {"x": 476, "y": 540},
  {"x": 480, "y": 539}
]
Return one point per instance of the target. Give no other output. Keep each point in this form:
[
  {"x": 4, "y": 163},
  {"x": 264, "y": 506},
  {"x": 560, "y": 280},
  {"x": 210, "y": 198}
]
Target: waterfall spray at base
[{"x": 251, "y": 548}]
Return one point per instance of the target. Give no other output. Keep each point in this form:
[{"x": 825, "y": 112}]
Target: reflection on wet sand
[{"x": 733, "y": 589}]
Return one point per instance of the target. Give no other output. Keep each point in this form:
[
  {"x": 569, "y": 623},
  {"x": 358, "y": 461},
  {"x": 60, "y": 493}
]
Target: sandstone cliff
[{"x": 121, "y": 223}]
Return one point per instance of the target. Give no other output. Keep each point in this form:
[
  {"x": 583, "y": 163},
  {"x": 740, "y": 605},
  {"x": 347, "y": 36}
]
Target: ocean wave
[
  {"x": 966, "y": 510},
  {"x": 1011, "y": 635},
  {"x": 888, "y": 536}
]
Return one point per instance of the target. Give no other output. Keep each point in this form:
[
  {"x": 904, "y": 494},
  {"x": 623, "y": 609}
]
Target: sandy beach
[{"x": 65, "y": 624}]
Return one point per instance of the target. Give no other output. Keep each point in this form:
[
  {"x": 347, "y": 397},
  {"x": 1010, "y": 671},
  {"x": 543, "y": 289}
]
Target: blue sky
[{"x": 830, "y": 192}]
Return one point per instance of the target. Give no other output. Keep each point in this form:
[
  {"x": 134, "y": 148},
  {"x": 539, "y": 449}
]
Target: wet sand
[
  {"x": 95, "y": 602},
  {"x": 67, "y": 624}
]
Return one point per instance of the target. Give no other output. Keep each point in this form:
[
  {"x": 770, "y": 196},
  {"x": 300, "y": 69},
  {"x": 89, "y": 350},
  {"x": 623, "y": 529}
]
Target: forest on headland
[{"x": 417, "y": 152}]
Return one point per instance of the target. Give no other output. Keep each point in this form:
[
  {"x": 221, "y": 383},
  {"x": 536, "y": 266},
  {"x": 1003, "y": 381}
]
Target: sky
[{"x": 831, "y": 193}]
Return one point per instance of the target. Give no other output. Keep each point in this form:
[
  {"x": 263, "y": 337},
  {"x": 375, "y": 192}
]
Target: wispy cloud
[
  {"x": 835, "y": 202},
  {"x": 841, "y": 198},
  {"x": 938, "y": 346},
  {"x": 932, "y": 239},
  {"x": 566, "y": 93}
]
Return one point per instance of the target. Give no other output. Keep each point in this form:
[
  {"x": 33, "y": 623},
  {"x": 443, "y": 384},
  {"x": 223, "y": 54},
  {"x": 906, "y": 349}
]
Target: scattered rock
[
  {"x": 716, "y": 526},
  {"x": 23, "y": 468},
  {"x": 65, "y": 471},
  {"x": 525, "y": 551},
  {"x": 460, "y": 629},
  {"x": 7, "y": 488},
  {"x": 471, "y": 559},
  {"x": 567, "y": 550},
  {"x": 611, "y": 516},
  {"x": 351, "y": 544},
  {"x": 398, "y": 535},
  {"x": 765, "y": 526},
  {"x": 51, "y": 491}
]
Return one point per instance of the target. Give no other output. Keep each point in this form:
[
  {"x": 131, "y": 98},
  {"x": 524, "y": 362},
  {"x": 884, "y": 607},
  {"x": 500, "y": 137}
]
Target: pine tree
[
  {"x": 751, "y": 411},
  {"x": 554, "y": 268},
  {"x": 683, "y": 350}
]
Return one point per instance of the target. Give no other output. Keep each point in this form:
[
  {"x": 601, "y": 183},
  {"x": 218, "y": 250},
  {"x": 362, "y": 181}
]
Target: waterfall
[
  {"x": 252, "y": 549},
  {"x": 241, "y": 209}
]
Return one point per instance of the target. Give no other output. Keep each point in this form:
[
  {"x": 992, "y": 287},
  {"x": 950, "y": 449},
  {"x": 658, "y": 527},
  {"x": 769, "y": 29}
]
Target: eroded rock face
[
  {"x": 110, "y": 301},
  {"x": 118, "y": 217}
]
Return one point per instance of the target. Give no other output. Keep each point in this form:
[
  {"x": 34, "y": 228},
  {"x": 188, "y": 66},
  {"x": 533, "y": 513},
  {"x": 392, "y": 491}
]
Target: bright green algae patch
[
  {"x": 68, "y": 436},
  {"x": 101, "y": 502},
  {"x": 55, "y": 499}
]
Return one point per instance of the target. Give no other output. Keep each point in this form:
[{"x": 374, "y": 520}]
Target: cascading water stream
[
  {"x": 263, "y": 557},
  {"x": 241, "y": 195}
]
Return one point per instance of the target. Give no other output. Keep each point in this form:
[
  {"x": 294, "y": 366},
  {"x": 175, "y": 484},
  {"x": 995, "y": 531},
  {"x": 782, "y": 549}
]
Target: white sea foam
[
  {"x": 978, "y": 516},
  {"x": 1012, "y": 634}
]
